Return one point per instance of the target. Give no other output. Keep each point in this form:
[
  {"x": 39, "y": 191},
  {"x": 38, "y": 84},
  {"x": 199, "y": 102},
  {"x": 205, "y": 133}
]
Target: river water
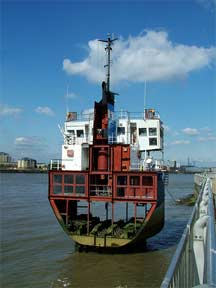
[{"x": 36, "y": 253}]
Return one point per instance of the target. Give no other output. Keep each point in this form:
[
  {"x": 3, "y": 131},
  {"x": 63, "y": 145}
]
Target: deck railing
[{"x": 122, "y": 114}]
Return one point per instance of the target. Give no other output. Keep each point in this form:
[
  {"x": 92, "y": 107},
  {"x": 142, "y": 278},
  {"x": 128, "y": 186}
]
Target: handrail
[
  {"x": 122, "y": 114},
  {"x": 188, "y": 267}
]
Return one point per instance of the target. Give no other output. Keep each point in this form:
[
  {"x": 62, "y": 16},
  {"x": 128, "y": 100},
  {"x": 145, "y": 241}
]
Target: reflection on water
[{"x": 37, "y": 253}]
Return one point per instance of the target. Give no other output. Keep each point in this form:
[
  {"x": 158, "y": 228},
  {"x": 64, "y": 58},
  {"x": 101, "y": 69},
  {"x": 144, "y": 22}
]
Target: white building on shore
[{"x": 26, "y": 163}]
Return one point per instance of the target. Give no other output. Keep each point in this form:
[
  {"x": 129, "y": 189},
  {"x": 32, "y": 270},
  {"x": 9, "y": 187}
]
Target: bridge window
[
  {"x": 120, "y": 130},
  {"x": 80, "y": 133},
  {"x": 70, "y": 131},
  {"x": 134, "y": 180},
  {"x": 122, "y": 180},
  {"x": 142, "y": 131},
  {"x": 147, "y": 181},
  {"x": 152, "y": 141},
  {"x": 152, "y": 131}
]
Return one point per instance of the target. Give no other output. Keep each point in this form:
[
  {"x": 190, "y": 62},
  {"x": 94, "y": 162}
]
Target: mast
[
  {"x": 145, "y": 94},
  {"x": 108, "y": 48}
]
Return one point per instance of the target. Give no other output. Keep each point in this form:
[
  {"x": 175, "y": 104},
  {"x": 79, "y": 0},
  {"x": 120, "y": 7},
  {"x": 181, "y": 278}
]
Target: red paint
[
  {"x": 102, "y": 159},
  {"x": 70, "y": 153}
]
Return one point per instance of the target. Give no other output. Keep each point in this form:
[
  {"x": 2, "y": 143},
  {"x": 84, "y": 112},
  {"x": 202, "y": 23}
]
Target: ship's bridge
[
  {"x": 78, "y": 128},
  {"x": 142, "y": 129}
]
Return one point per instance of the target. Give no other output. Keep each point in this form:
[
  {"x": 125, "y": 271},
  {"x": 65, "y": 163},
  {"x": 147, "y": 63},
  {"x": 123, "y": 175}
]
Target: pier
[{"x": 194, "y": 261}]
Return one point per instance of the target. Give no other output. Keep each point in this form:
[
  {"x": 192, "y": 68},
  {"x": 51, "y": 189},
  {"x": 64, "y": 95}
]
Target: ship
[{"x": 107, "y": 190}]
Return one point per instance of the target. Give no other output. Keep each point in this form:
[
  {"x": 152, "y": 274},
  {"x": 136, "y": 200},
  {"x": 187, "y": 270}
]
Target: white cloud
[
  {"x": 180, "y": 142},
  {"x": 170, "y": 131},
  {"x": 5, "y": 110},
  {"x": 190, "y": 131},
  {"x": 45, "y": 110},
  {"x": 27, "y": 141},
  {"x": 150, "y": 56},
  {"x": 208, "y": 4}
]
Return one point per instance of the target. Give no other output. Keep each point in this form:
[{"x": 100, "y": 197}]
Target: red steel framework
[
  {"x": 133, "y": 187},
  {"x": 126, "y": 186}
]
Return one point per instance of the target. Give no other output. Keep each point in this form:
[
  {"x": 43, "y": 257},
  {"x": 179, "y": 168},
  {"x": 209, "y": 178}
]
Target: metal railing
[
  {"x": 136, "y": 115},
  {"x": 55, "y": 164},
  {"x": 59, "y": 164},
  {"x": 70, "y": 139},
  {"x": 122, "y": 114},
  {"x": 80, "y": 116},
  {"x": 194, "y": 261}
]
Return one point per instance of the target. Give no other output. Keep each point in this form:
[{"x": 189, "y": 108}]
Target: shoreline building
[
  {"x": 26, "y": 163},
  {"x": 6, "y": 161},
  {"x": 5, "y": 158}
]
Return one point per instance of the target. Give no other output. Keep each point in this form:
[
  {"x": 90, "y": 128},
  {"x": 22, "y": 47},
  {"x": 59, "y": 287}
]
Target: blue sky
[{"x": 47, "y": 46}]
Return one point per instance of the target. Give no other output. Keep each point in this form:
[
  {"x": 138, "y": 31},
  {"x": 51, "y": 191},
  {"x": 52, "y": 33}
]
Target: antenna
[
  {"x": 67, "y": 110},
  {"x": 108, "y": 48},
  {"x": 145, "y": 94},
  {"x": 61, "y": 130}
]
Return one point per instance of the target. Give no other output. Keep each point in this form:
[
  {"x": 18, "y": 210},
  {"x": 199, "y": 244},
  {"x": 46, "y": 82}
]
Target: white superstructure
[
  {"x": 146, "y": 132},
  {"x": 143, "y": 131}
]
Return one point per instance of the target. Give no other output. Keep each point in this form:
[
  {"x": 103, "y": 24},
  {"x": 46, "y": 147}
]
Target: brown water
[{"x": 35, "y": 252}]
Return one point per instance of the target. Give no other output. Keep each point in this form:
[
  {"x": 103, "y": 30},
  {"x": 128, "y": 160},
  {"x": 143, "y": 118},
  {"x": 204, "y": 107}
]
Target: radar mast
[{"x": 108, "y": 48}]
